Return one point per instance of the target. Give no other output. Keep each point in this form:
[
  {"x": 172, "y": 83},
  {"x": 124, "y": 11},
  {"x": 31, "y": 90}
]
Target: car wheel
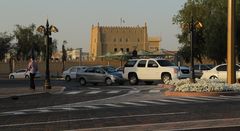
[
  {"x": 166, "y": 78},
  {"x": 12, "y": 77},
  {"x": 213, "y": 77},
  {"x": 68, "y": 78},
  {"x": 148, "y": 82},
  {"x": 108, "y": 81},
  {"x": 133, "y": 79},
  {"x": 82, "y": 81},
  {"x": 26, "y": 76}
]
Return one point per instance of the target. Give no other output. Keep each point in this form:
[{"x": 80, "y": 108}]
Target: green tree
[
  {"x": 212, "y": 39},
  {"x": 28, "y": 39},
  {"x": 5, "y": 44},
  {"x": 191, "y": 10}
]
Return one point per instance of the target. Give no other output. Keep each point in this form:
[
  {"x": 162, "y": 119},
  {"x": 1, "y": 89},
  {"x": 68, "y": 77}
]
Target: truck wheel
[
  {"x": 166, "y": 78},
  {"x": 133, "y": 79}
]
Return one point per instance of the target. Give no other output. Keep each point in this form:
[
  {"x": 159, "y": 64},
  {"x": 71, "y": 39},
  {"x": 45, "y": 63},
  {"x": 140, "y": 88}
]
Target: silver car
[
  {"x": 97, "y": 75},
  {"x": 71, "y": 72}
]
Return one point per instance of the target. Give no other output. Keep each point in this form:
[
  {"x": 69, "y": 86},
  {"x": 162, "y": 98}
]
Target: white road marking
[
  {"x": 113, "y": 92},
  {"x": 171, "y": 101},
  {"x": 92, "y": 107},
  {"x": 181, "y": 125},
  {"x": 154, "y": 91},
  {"x": 73, "y": 92},
  {"x": 204, "y": 98},
  {"x": 134, "y": 91},
  {"x": 93, "y": 92},
  {"x": 44, "y": 110},
  {"x": 113, "y": 105},
  {"x": 133, "y": 103},
  {"x": 69, "y": 108},
  {"x": 92, "y": 118},
  {"x": 14, "y": 113},
  {"x": 153, "y": 102}
]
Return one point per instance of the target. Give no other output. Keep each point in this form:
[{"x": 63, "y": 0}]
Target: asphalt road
[{"x": 116, "y": 107}]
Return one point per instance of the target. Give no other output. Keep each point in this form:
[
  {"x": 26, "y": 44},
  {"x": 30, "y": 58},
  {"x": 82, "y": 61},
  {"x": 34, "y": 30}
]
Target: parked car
[
  {"x": 71, "y": 72},
  {"x": 22, "y": 74},
  {"x": 219, "y": 72},
  {"x": 150, "y": 70},
  {"x": 199, "y": 68},
  {"x": 99, "y": 74}
]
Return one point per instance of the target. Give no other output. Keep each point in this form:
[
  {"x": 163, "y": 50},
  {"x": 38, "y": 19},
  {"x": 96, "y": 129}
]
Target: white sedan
[
  {"x": 219, "y": 72},
  {"x": 21, "y": 74}
]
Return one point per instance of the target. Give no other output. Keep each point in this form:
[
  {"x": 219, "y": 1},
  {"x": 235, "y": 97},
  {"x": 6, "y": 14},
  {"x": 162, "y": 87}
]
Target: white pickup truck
[{"x": 150, "y": 70}]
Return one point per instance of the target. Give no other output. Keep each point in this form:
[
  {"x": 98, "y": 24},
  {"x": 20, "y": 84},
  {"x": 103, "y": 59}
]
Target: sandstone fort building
[{"x": 112, "y": 39}]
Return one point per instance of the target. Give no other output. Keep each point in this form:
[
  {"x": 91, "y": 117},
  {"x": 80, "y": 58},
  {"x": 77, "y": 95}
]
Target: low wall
[{"x": 56, "y": 66}]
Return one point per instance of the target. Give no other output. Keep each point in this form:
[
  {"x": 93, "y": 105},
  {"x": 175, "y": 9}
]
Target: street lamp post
[
  {"x": 193, "y": 26},
  {"x": 192, "y": 50},
  {"x": 47, "y": 32},
  {"x": 80, "y": 56},
  {"x": 63, "y": 55}
]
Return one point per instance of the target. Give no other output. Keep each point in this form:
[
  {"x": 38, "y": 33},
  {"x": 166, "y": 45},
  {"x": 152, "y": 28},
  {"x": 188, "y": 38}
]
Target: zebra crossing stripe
[
  {"x": 113, "y": 92},
  {"x": 93, "y": 92},
  {"x": 172, "y": 101},
  {"x": 153, "y": 102},
  {"x": 132, "y": 103},
  {"x": 203, "y": 98},
  {"x": 44, "y": 110},
  {"x": 14, "y": 113},
  {"x": 69, "y": 108},
  {"x": 134, "y": 91},
  {"x": 154, "y": 91},
  {"x": 113, "y": 105},
  {"x": 92, "y": 107},
  {"x": 186, "y": 99},
  {"x": 73, "y": 92}
]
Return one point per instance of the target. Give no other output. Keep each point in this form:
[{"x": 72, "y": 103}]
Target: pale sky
[{"x": 74, "y": 18}]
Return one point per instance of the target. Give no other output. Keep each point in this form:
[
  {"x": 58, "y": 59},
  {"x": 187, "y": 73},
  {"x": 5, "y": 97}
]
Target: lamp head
[
  {"x": 198, "y": 25},
  {"x": 41, "y": 29},
  {"x": 53, "y": 29}
]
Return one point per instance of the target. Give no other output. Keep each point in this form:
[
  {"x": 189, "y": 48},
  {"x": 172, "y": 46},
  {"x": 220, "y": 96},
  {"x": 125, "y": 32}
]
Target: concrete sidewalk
[{"x": 20, "y": 91}]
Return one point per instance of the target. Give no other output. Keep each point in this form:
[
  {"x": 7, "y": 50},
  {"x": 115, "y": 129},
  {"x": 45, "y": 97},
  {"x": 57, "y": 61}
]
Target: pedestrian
[{"x": 32, "y": 68}]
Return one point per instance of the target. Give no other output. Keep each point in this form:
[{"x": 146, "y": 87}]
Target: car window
[
  {"x": 165, "y": 63},
  {"x": 152, "y": 64},
  {"x": 142, "y": 63},
  {"x": 196, "y": 67},
  {"x": 19, "y": 71},
  {"x": 109, "y": 69},
  {"x": 90, "y": 70},
  {"x": 205, "y": 67},
  {"x": 237, "y": 68},
  {"x": 130, "y": 63},
  {"x": 222, "y": 68},
  {"x": 99, "y": 70},
  {"x": 73, "y": 70}
]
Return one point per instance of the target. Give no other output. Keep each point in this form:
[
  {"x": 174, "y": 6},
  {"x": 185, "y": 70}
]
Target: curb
[{"x": 181, "y": 94}]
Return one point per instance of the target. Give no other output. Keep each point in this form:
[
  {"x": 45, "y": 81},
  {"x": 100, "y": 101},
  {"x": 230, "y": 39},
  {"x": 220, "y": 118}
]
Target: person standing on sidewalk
[{"x": 32, "y": 68}]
